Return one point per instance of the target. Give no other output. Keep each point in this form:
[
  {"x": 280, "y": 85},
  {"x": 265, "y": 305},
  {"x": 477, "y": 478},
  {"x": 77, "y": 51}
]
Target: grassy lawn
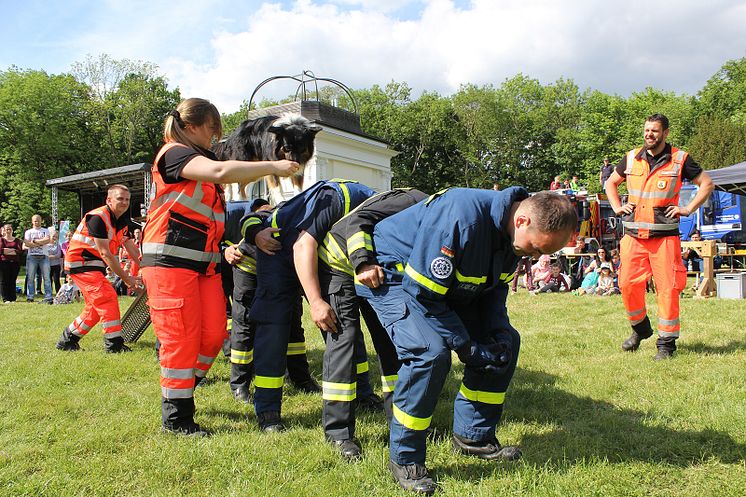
[{"x": 591, "y": 420}]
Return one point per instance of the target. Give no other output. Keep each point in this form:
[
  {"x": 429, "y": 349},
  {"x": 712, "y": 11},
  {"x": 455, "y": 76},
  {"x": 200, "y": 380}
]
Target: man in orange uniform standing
[
  {"x": 651, "y": 245},
  {"x": 97, "y": 238}
]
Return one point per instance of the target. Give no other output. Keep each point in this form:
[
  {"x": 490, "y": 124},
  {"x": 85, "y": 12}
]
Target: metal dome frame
[{"x": 306, "y": 78}]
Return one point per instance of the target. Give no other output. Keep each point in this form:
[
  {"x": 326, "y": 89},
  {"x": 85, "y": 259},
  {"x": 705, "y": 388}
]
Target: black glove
[{"x": 488, "y": 357}]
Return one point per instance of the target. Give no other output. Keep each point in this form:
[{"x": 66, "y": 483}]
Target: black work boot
[
  {"x": 68, "y": 341},
  {"x": 370, "y": 403},
  {"x": 300, "y": 375},
  {"x": 666, "y": 348},
  {"x": 270, "y": 422},
  {"x": 115, "y": 345},
  {"x": 242, "y": 394},
  {"x": 349, "y": 449},
  {"x": 413, "y": 477},
  {"x": 489, "y": 449},
  {"x": 178, "y": 418},
  {"x": 640, "y": 332}
]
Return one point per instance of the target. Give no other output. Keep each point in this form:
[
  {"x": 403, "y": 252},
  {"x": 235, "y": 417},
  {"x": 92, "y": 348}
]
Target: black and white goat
[{"x": 288, "y": 137}]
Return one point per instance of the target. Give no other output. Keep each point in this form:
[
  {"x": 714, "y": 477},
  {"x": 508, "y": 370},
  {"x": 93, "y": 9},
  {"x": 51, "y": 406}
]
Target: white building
[{"x": 342, "y": 150}]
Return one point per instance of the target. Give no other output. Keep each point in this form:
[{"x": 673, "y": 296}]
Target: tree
[
  {"x": 45, "y": 132},
  {"x": 724, "y": 95}
]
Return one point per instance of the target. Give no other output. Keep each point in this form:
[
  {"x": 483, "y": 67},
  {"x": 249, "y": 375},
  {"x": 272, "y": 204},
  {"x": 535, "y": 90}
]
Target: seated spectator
[
  {"x": 553, "y": 282},
  {"x": 523, "y": 269},
  {"x": 540, "y": 270},
  {"x": 566, "y": 184},
  {"x": 67, "y": 293},
  {"x": 578, "y": 270},
  {"x": 616, "y": 263},
  {"x": 574, "y": 183},
  {"x": 556, "y": 184},
  {"x": 691, "y": 258},
  {"x": 605, "y": 285}
]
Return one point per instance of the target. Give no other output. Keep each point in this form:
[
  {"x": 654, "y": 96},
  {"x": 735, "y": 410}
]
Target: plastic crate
[{"x": 731, "y": 285}]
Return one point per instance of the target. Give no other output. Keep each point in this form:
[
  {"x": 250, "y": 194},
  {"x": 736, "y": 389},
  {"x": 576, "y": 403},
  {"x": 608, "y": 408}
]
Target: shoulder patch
[{"x": 441, "y": 267}]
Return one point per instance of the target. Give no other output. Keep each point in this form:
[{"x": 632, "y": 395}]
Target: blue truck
[{"x": 719, "y": 218}]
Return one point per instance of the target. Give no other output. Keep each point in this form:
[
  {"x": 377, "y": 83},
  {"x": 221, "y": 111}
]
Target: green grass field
[{"x": 591, "y": 420}]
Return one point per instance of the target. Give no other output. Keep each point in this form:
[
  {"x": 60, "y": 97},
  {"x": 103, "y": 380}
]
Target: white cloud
[
  {"x": 220, "y": 49},
  {"x": 616, "y": 48}
]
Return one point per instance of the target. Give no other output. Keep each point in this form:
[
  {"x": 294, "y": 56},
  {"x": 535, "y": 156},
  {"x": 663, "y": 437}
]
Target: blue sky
[{"x": 222, "y": 49}]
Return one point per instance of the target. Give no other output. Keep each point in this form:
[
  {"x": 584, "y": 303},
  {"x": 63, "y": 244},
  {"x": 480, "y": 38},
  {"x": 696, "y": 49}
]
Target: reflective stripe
[
  {"x": 242, "y": 356},
  {"x": 362, "y": 367},
  {"x": 477, "y": 280},
  {"x": 635, "y": 322},
  {"x": 411, "y": 422},
  {"x": 80, "y": 324},
  {"x": 204, "y": 359},
  {"x": 333, "y": 255},
  {"x": 269, "y": 381},
  {"x": 276, "y": 234},
  {"x": 84, "y": 239},
  {"x": 651, "y": 226},
  {"x": 192, "y": 203},
  {"x": 399, "y": 267},
  {"x": 177, "y": 373},
  {"x": 359, "y": 240},
  {"x": 249, "y": 222},
  {"x": 200, "y": 373},
  {"x": 109, "y": 324},
  {"x": 427, "y": 283},
  {"x": 296, "y": 348},
  {"x": 494, "y": 398},
  {"x": 506, "y": 276},
  {"x": 346, "y": 195},
  {"x": 389, "y": 382},
  {"x": 247, "y": 264},
  {"x": 635, "y": 312},
  {"x": 668, "y": 322},
  {"x": 156, "y": 249},
  {"x": 668, "y": 334},
  {"x": 177, "y": 393},
  {"x": 84, "y": 263},
  {"x": 343, "y": 392},
  {"x": 112, "y": 334}
]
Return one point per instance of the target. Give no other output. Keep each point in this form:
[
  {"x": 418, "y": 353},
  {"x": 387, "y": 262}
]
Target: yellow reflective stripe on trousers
[
  {"x": 481, "y": 396},
  {"x": 388, "y": 383},
  {"x": 422, "y": 280},
  {"x": 362, "y": 367},
  {"x": 342, "y": 392},
  {"x": 411, "y": 422},
  {"x": 476, "y": 280},
  {"x": 242, "y": 356},
  {"x": 269, "y": 381},
  {"x": 296, "y": 348}
]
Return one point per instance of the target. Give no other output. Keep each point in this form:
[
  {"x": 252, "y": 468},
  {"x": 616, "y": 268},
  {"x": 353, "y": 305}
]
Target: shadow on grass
[
  {"x": 579, "y": 429},
  {"x": 705, "y": 348}
]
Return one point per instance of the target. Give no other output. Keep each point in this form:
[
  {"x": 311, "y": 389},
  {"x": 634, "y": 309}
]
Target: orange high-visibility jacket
[
  {"x": 652, "y": 192},
  {"x": 82, "y": 254},
  {"x": 185, "y": 223}
]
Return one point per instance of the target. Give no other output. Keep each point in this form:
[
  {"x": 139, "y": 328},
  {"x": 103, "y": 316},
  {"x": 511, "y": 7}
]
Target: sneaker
[
  {"x": 413, "y": 477},
  {"x": 349, "y": 449},
  {"x": 489, "y": 449},
  {"x": 663, "y": 354},
  {"x": 370, "y": 403},
  {"x": 270, "y": 422},
  {"x": 242, "y": 394},
  {"x": 191, "y": 430}
]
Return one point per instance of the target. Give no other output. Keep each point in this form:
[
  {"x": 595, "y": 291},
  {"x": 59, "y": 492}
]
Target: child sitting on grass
[
  {"x": 553, "y": 282},
  {"x": 605, "y": 284},
  {"x": 67, "y": 293}
]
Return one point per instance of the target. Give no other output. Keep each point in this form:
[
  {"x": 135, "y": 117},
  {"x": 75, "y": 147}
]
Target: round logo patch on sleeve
[{"x": 441, "y": 267}]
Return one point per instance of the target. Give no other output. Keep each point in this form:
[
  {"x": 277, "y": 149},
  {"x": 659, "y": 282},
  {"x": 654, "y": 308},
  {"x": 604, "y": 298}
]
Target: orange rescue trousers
[
  {"x": 101, "y": 304},
  {"x": 659, "y": 257},
  {"x": 188, "y": 313}
]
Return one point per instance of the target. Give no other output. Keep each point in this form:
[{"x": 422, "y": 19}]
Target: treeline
[{"x": 109, "y": 113}]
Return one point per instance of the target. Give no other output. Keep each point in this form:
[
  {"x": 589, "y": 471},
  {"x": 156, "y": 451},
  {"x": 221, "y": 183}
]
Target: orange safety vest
[
  {"x": 82, "y": 255},
  {"x": 652, "y": 192},
  {"x": 185, "y": 223}
]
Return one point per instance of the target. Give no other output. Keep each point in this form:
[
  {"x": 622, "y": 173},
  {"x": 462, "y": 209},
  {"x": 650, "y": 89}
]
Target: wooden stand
[{"x": 707, "y": 249}]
